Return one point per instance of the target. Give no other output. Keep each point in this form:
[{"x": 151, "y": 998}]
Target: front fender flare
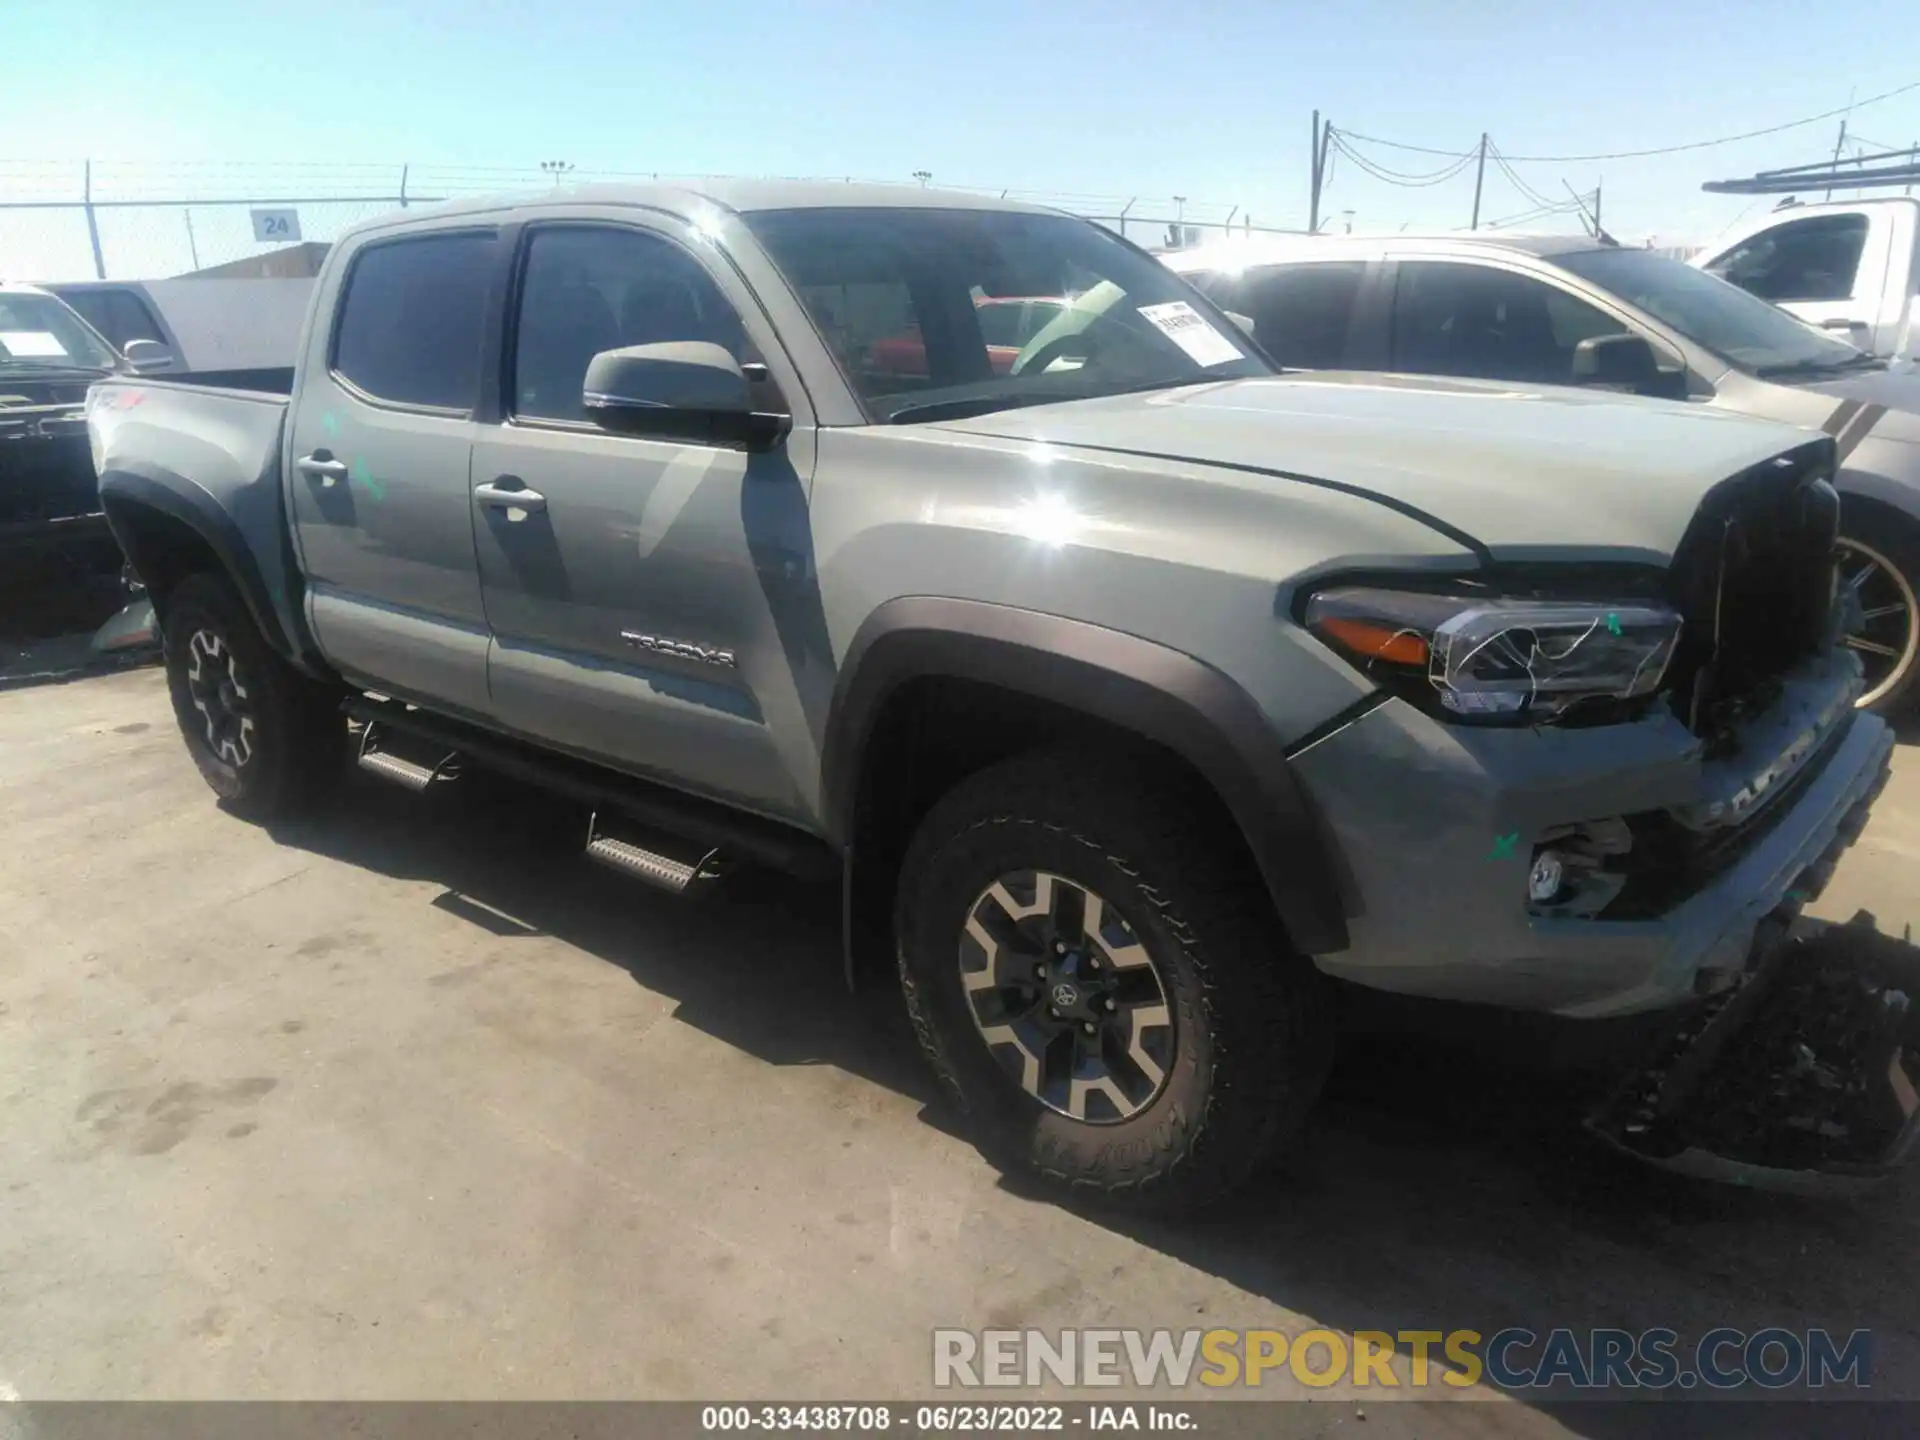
[{"x": 1158, "y": 693}]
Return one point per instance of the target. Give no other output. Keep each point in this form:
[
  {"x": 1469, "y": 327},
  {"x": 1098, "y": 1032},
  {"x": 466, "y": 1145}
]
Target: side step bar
[
  {"x": 657, "y": 869},
  {"x": 401, "y": 771},
  {"x": 707, "y": 829}
]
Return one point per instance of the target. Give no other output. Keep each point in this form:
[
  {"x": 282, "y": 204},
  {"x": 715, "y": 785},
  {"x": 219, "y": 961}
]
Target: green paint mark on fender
[
  {"x": 1613, "y": 623},
  {"x": 363, "y": 477},
  {"x": 1503, "y": 846}
]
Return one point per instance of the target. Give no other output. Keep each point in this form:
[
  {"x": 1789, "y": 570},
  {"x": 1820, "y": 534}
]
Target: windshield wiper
[
  {"x": 963, "y": 407},
  {"x": 1862, "y": 361},
  {"x": 35, "y": 370}
]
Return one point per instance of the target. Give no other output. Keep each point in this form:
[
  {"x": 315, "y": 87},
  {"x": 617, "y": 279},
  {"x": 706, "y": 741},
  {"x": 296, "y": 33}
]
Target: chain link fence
[{"x": 98, "y": 220}]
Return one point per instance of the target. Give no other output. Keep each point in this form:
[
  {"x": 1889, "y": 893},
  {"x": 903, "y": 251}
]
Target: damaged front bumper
[{"x": 1801, "y": 1077}]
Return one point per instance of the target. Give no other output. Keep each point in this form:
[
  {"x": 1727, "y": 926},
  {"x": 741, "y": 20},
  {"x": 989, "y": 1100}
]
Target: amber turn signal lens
[{"x": 1373, "y": 641}]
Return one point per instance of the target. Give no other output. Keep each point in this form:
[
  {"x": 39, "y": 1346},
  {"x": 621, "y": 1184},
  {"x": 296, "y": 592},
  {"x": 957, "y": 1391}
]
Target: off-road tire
[
  {"x": 294, "y": 745},
  {"x": 1252, "y": 1026}
]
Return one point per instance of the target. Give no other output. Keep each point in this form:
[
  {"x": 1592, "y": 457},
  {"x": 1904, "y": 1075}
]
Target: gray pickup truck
[{"x": 1137, "y": 694}]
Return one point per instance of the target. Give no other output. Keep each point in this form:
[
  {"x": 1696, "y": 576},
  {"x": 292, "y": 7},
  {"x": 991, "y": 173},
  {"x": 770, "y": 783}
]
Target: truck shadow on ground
[{"x": 1436, "y": 1189}]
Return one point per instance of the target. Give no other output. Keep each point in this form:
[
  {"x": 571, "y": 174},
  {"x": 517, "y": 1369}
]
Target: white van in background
[
  {"x": 209, "y": 323},
  {"x": 1851, "y": 267}
]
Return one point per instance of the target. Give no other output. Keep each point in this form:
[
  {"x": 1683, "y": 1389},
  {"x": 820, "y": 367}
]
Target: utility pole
[
  {"x": 1479, "y": 180},
  {"x": 93, "y": 225},
  {"x": 1322, "y": 137},
  {"x": 557, "y": 169},
  {"x": 1313, "y": 182},
  {"x": 1838, "y": 145},
  {"x": 193, "y": 249},
  {"x": 925, "y": 177}
]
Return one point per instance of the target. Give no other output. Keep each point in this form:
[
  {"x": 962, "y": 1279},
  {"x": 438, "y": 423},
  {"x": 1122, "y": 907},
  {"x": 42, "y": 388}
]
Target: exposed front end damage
[{"x": 1801, "y": 1077}]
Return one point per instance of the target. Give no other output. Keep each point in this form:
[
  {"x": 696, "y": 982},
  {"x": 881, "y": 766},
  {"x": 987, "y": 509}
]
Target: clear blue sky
[{"x": 1203, "y": 99}]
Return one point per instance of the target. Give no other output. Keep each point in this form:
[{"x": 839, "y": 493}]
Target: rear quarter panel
[{"x": 216, "y": 451}]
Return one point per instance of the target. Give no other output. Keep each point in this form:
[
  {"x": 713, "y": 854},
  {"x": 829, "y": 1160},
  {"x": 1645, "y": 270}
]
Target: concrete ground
[{"x": 410, "y": 1102}]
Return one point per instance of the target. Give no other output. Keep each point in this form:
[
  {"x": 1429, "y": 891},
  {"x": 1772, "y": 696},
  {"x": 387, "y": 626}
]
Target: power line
[
  {"x": 1659, "y": 149},
  {"x": 1513, "y": 176},
  {"x": 1395, "y": 177}
]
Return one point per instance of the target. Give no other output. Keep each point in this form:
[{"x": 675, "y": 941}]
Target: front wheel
[
  {"x": 264, "y": 737},
  {"x": 1096, "y": 975},
  {"x": 1881, "y": 566}
]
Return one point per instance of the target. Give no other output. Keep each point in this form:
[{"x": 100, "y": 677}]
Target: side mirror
[
  {"x": 146, "y": 356},
  {"x": 681, "y": 390},
  {"x": 1245, "y": 322},
  {"x": 1618, "y": 362}
]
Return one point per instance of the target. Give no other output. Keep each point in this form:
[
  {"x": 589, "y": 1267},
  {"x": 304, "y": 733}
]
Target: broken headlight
[{"x": 1495, "y": 659}]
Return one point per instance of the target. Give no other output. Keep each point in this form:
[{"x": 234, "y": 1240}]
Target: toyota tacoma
[{"x": 1137, "y": 694}]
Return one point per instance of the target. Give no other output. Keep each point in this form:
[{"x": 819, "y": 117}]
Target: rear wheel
[
  {"x": 1880, "y": 564},
  {"x": 1101, "y": 984},
  {"x": 264, "y": 737}
]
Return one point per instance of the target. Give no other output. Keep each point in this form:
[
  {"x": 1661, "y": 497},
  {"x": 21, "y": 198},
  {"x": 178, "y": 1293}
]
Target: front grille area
[
  {"x": 1669, "y": 863},
  {"x": 1753, "y": 579}
]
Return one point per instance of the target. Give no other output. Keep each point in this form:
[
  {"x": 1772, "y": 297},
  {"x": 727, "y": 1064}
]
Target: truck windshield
[
  {"x": 912, "y": 302},
  {"x": 39, "y": 332},
  {"x": 1736, "y": 326}
]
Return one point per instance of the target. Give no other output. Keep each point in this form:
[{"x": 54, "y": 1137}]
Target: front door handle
[
  {"x": 509, "y": 493},
  {"x": 321, "y": 466}
]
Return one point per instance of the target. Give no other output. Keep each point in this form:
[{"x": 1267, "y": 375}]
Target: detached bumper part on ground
[{"x": 1800, "y": 1078}]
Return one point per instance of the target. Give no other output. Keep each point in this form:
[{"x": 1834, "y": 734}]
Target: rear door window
[
  {"x": 1803, "y": 260},
  {"x": 410, "y": 324},
  {"x": 1302, "y": 314}
]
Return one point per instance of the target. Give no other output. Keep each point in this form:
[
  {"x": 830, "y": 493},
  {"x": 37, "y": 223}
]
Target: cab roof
[{"x": 740, "y": 196}]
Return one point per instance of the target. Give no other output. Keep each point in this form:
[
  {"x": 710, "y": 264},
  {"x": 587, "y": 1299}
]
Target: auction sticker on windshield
[
  {"x": 1188, "y": 329},
  {"x": 32, "y": 345}
]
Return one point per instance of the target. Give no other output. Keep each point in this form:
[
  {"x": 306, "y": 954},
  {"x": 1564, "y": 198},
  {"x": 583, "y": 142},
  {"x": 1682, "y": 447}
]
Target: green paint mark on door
[
  {"x": 363, "y": 477},
  {"x": 1503, "y": 846},
  {"x": 330, "y": 423},
  {"x": 1613, "y": 623}
]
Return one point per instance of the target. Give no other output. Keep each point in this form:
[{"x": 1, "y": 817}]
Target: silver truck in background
[
  {"x": 1850, "y": 267},
  {"x": 1139, "y": 697},
  {"x": 1549, "y": 310},
  {"x": 196, "y": 324}
]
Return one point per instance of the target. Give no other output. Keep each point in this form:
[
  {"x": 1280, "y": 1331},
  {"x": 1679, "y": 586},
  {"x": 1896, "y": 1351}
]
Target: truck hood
[{"x": 1530, "y": 473}]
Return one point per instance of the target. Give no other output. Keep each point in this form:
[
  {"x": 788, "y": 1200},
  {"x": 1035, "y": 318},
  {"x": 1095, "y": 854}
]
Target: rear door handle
[
  {"x": 509, "y": 493},
  {"x": 321, "y": 466}
]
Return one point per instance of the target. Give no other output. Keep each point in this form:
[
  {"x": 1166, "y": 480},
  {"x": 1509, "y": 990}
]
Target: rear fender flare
[
  {"x": 124, "y": 493},
  {"x": 1160, "y": 694}
]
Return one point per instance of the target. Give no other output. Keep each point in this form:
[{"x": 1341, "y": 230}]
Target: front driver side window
[
  {"x": 1475, "y": 321},
  {"x": 1811, "y": 259},
  {"x": 587, "y": 289}
]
